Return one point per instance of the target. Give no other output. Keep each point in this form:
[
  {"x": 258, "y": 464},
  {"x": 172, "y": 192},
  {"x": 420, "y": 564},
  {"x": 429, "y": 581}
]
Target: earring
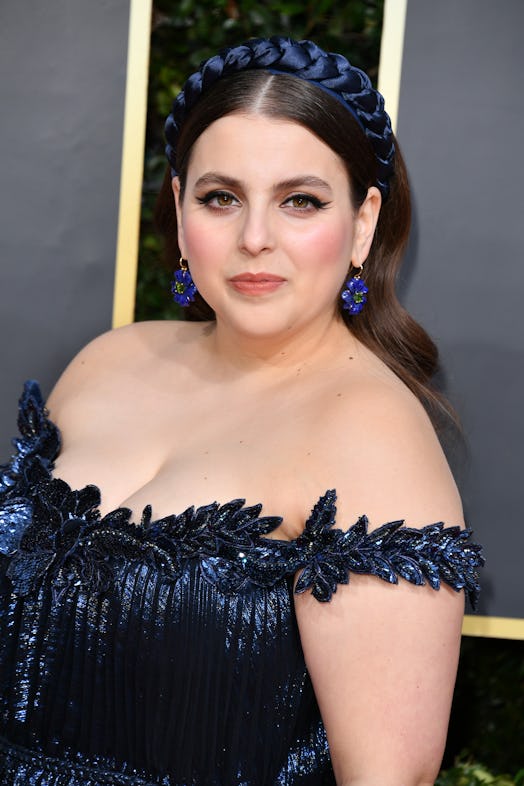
[
  {"x": 354, "y": 295},
  {"x": 182, "y": 286}
]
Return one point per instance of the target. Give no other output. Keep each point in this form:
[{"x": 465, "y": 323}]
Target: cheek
[
  {"x": 200, "y": 241},
  {"x": 330, "y": 243}
]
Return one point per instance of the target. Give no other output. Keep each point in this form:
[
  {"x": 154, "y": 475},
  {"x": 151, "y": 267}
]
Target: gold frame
[
  {"x": 391, "y": 50},
  {"x": 132, "y": 170},
  {"x": 493, "y": 627}
]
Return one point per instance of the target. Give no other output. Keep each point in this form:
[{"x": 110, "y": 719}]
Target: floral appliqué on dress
[{"x": 50, "y": 532}]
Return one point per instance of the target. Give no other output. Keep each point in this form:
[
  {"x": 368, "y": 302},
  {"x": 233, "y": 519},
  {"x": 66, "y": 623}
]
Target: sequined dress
[{"x": 167, "y": 653}]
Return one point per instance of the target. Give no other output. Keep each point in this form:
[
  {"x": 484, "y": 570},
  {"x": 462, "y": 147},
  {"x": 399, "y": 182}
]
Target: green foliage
[
  {"x": 487, "y": 718},
  {"x": 153, "y": 298},
  {"x": 468, "y": 773},
  {"x": 185, "y": 32}
]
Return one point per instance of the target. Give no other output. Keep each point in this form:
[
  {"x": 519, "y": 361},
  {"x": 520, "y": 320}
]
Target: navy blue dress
[{"x": 167, "y": 653}]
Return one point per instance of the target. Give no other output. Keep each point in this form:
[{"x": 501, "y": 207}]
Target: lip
[
  {"x": 257, "y": 277},
  {"x": 256, "y": 283}
]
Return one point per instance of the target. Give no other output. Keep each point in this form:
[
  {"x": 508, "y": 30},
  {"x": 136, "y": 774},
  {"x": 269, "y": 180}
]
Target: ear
[
  {"x": 365, "y": 224},
  {"x": 175, "y": 185}
]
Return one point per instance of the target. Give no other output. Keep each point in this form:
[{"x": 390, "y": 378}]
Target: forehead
[{"x": 254, "y": 145}]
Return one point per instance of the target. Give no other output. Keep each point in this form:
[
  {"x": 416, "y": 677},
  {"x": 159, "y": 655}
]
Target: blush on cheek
[
  {"x": 199, "y": 240},
  {"x": 325, "y": 245},
  {"x": 207, "y": 253}
]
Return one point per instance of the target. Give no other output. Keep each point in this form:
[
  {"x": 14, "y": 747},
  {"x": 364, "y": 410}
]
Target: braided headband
[{"x": 279, "y": 55}]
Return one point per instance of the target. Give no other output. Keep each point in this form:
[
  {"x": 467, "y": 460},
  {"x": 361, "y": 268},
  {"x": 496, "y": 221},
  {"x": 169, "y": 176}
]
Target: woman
[{"x": 173, "y": 650}]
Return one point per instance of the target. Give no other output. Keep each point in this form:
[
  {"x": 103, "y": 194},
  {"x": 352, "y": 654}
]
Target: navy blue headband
[{"x": 331, "y": 72}]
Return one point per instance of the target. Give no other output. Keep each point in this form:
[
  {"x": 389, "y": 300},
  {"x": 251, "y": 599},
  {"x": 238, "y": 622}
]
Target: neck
[{"x": 237, "y": 354}]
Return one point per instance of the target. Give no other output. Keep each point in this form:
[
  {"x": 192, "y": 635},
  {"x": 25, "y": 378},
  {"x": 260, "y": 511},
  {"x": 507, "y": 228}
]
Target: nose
[{"x": 256, "y": 230}]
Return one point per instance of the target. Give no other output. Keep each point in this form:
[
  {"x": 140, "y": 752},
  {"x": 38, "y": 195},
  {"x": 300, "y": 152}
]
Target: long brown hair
[{"x": 384, "y": 326}]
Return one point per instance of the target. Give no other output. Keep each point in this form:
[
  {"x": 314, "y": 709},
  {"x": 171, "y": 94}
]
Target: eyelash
[
  {"x": 312, "y": 201},
  {"x": 208, "y": 198}
]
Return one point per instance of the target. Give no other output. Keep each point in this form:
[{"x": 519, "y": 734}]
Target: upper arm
[{"x": 383, "y": 657}]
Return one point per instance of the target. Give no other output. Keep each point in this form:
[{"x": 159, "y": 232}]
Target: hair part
[{"x": 384, "y": 326}]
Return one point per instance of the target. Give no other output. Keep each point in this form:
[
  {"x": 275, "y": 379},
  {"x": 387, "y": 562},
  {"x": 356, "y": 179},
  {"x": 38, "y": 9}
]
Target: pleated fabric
[{"x": 157, "y": 682}]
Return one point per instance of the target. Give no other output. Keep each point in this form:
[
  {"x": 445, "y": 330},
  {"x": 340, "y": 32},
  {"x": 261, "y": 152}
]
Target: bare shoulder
[
  {"x": 388, "y": 461},
  {"x": 390, "y": 646},
  {"x": 116, "y": 364}
]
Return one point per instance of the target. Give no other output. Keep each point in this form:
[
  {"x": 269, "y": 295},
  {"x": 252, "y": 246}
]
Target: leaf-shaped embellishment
[
  {"x": 307, "y": 577},
  {"x": 233, "y": 522},
  {"x": 220, "y": 573},
  {"x": 15, "y": 517},
  {"x": 31, "y": 412},
  {"x": 86, "y": 502},
  {"x": 26, "y": 570},
  {"x": 8, "y": 480},
  {"x": 382, "y": 568},
  {"x": 450, "y": 575},
  {"x": 35, "y": 472},
  {"x": 38, "y": 444},
  {"x": 194, "y": 529},
  {"x": 238, "y": 517},
  {"x": 270, "y": 560},
  {"x": 131, "y": 543},
  {"x": 430, "y": 571},
  {"x": 433, "y": 553},
  {"x": 323, "y": 589},
  {"x": 64, "y": 537},
  {"x": 335, "y": 573},
  {"x": 120, "y": 517},
  {"x": 266, "y": 524},
  {"x": 200, "y": 518},
  {"x": 322, "y": 517},
  {"x": 408, "y": 568},
  {"x": 39, "y": 535},
  {"x": 145, "y": 520},
  {"x": 382, "y": 536},
  {"x": 356, "y": 534}
]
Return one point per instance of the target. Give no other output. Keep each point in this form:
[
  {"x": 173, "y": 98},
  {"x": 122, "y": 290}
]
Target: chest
[{"x": 197, "y": 448}]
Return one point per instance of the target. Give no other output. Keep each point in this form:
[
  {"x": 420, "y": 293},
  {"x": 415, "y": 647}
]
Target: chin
[{"x": 257, "y": 326}]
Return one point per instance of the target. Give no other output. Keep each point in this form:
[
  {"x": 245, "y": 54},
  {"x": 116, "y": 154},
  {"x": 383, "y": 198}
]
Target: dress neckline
[
  {"x": 35, "y": 424},
  {"x": 49, "y": 529}
]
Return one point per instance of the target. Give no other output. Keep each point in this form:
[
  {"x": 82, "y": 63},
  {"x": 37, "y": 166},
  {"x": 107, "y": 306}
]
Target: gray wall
[
  {"x": 461, "y": 121},
  {"x": 62, "y": 82}
]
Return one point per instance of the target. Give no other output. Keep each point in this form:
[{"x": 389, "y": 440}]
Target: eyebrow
[{"x": 294, "y": 182}]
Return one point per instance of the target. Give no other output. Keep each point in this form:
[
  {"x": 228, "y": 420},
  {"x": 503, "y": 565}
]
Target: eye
[
  {"x": 218, "y": 200},
  {"x": 304, "y": 202}
]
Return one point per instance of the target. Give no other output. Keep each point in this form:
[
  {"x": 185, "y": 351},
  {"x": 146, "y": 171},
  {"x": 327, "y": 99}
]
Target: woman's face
[{"x": 267, "y": 224}]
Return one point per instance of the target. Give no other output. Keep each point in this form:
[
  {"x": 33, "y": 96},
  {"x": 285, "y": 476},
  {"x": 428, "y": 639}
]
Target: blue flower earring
[
  {"x": 354, "y": 295},
  {"x": 182, "y": 286}
]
